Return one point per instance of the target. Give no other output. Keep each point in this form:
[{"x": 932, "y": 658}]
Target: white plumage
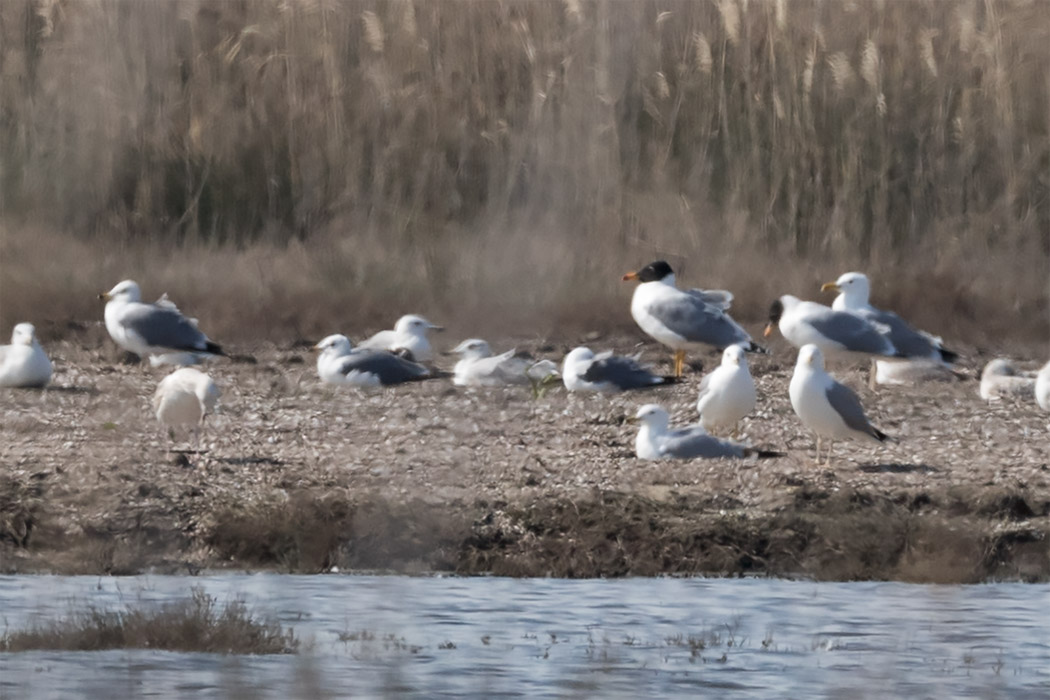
[
  {"x": 479, "y": 367},
  {"x": 24, "y": 363},
  {"x": 1000, "y": 380},
  {"x": 727, "y": 394},
  {"x": 185, "y": 397},
  {"x": 409, "y": 333},
  {"x": 1042, "y": 387}
]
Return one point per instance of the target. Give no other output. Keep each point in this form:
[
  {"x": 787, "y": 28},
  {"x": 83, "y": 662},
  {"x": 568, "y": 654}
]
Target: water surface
[{"x": 492, "y": 637}]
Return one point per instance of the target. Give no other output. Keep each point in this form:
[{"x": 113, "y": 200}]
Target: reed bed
[{"x": 502, "y": 161}]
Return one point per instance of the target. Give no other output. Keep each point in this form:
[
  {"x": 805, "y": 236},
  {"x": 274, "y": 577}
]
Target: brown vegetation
[
  {"x": 291, "y": 168},
  {"x": 196, "y": 624}
]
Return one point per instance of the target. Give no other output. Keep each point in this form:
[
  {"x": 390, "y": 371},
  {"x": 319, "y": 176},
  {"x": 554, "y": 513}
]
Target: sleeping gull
[
  {"x": 920, "y": 349},
  {"x": 582, "y": 370},
  {"x": 834, "y": 332},
  {"x": 479, "y": 367},
  {"x": 829, "y": 409},
  {"x": 656, "y": 440},
  {"x": 24, "y": 363},
  {"x": 410, "y": 333},
  {"x": 340, "y": 363},
  {"x": 184, "y": 398},
  {"x": 681, "y": 319},
  {"x": 999, "y": 379},
  {"x": 1042, "y": 387},
  {"x": 727, "y": 394},
  {"x": 151, "y": 329}
]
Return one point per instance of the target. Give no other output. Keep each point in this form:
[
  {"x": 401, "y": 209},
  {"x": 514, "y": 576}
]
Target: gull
[
  {"x": 479, "y": 367},
  {"x": 999, "y": 380},
  {"x": 24, "y": 363},
  {"x": 340, "y": 363},
  {"x": 582, "y": 370},
  {"x": 184, "y": 398},
  {"x": 826, "y": 407},
  {"x": 727, "y": 394},
  {"x": 681, "y": 319},
  {"x": 410, "y": 333},
  {"x": 151, "y": 329},
  {"x": 656, "y": 440},
  {"x": 1042, "y": 387},
  {"x": 181, "y": 359},
  {"x": 836, "y": 333},
  {"x": 918, "y": 348}
]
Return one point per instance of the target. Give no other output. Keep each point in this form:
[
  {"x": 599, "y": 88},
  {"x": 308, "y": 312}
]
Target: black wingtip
[
  {"x": 755, "y": 347},
  {"x": 948, "y": 355},
  {"x": 881, "y": 436},
  {"x": 214, "y": 349},
  {"x": 667, "y": 379},
  {"x": 762, "y": 454}
]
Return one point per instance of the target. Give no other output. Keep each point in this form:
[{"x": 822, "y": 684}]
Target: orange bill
[
  {"x": 629, "y": 276},
  {"x": 769, "y": 330}
]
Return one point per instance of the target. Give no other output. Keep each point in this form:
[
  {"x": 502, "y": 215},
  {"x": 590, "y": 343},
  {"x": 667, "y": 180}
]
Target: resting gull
[
  {"x": 1042, "y": 387},
  {"x": 340, "y": 363},
  {"x": 479, "y": 367},
  {"x": 828, "y": 408},
  {"x": 409, "y": 333},
  {"x": 836, "y": 333},
  {"x": 923, "y": 351},
  {"x": 24, "y": 363},
  {"x": 151, "y": 329},
  {"x": 582, "y": 370},
  {"x": 656, "y": 440},
  {"x": 681, "y": 319},
  {"x": 999, "y": 379},
  {"x": 727, "y": 394}
]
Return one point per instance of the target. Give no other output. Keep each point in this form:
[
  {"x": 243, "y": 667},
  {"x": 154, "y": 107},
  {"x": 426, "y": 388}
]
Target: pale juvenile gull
[
  {"x": 836, "y": 333},
  {"x": 340, "y": 363},
  {"x": 184, "y": 398},
  {"x": 479, "y": 367},
  {"x": 656, "y": 440},
  {"x": 999, "y": 380},
  {"x": 727, "y": 394},
  {"x": 24, "y": 363},
  {"x": 828, "y": 408},
  {"x": 1042, "y": 387},
  {"x": 923, "y": 353},
  {"x": 151, "y": 329},
  {"x": 683, "y": 320},
  {"x": 582, "y": 370},
  {"x": 409, "y": 333}
]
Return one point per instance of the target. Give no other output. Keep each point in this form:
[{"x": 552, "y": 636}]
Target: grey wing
[
  {"x": 691, "y": 442},
  {"x": 387, "y": 367},
  {"x": 719, "y": 298},
  {"x": 162, "y": 327},
  {"x": 853, "y": 332},
  {"x": 699, "y": 322},
  {"x": 908, "y": 341},
  {"x": 622, "y": 372},
  {"x": 847, "y": 405}
]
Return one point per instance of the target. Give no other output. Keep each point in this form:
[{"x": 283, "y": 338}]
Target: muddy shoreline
[{"x": 296, "y": 476}]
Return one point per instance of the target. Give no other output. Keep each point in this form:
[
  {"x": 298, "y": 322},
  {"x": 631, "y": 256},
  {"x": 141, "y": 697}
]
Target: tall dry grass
[{"x": 501, "y": 162}]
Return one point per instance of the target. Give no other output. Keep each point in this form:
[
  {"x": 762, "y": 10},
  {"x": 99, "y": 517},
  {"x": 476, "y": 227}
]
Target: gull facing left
[
  {"x": 655, "y": 439},
  {"x": 151, "y": 329}
]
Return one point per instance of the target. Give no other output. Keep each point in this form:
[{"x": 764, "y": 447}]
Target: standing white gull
[
  {"x": 999, "y": 380},
  {"x": 582, "y": 370},
  {"x": 151, "y": 329},
  {"x": 340, "y": 363},
  {"x": 683, "y": 320},
  {"x": 479, "y": 367},
  {"x": 24, "y": 363},
  {"x": 409, "y": 333},
  {"x": 184, "y": 398},
  {"x": 836, "y": 333},
  {"x": 918, "y": 348},
  {"x": 829, "y": 409},
  {"x": 655, "y": 439},
  {"x": 727, "y": 394},
  {"x": 1042, "y": 387}
]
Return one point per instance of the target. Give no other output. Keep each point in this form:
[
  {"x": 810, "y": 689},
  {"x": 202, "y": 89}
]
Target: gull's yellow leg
[{"x": 679, "y": 362}]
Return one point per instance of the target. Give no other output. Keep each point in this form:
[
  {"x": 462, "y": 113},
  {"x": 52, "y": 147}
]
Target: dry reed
[{"x": 358, "y": 159}]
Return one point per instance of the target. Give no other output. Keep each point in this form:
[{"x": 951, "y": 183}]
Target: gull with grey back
[
  {"x": 656, "y": 440},
  {"x": 340, "y": 363},
  {"x": 605, "y": 372}
]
